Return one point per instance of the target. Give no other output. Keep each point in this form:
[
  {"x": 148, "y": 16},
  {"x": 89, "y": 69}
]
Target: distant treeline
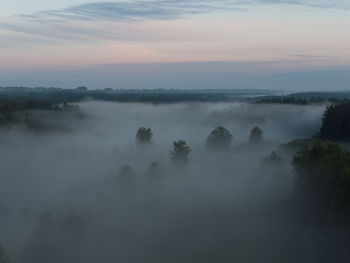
[
  {"x": 17, "y": 99},
  {"x": 300, "y": 101},
  {"x": 283, "y": 100},
  {"x": 20, "y": 99},
  {"x": 304, "y": 98},
  {"x": 58, "y": 95},
  {"x": 13, "y": 109},
  {"x": 10, "y": 106}
]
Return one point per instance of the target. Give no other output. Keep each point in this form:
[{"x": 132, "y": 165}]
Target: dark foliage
[
  {"x": 144, "y": 135},
  {"x": 316, "y": 99},
  {"x": 296, "y": 145},
  {"x": 153, "y": 172},
  {"x": 180, "y": 151},
  {"x": 273, "y": 158},
  {"x": 283, "y": 100},
  {"x": 58, "y": 95},
  {"x": 256, "y": 135},
  {"x": 323, "y": 178},
  {"x": 81, "y": 88},
  {"x": 14, "y": 109},
  {"x": 336, "y": 122},
  {"x": 126, "y": 176},
  {"x": 302, "y": 98},
  {"x": 219, "y": 138},
  {"x": 9, "y": 106}
]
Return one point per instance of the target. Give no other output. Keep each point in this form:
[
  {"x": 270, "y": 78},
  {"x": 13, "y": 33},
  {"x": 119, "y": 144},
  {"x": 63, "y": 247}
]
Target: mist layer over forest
[{"x": 62, "y": 199}]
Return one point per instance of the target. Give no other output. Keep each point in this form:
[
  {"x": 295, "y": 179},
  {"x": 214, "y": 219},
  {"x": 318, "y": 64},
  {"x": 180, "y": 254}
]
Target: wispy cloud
[
  {"x": 135, "y": 10},
  {"x": 73, "y": 22},
  {"x": 168, "y": 9},
  {"x": 161, "y": 27},
  {"x": 103, "y": 20}
]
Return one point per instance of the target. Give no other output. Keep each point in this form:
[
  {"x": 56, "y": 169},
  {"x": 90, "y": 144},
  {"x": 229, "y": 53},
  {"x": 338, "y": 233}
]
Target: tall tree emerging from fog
[
  {"x": 323, "y": 178},
  {"x": 256, "y": 135},
  {"x": 180, "y": 151},
  {"x": 336, "y": 122},
  {"x": 220, "y": 137},
  {"x": 144, "y": 135}
]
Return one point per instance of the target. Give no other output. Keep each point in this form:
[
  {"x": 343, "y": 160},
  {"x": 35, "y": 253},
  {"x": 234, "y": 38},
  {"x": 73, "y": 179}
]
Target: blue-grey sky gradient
[{"x": 277, "y": 44}]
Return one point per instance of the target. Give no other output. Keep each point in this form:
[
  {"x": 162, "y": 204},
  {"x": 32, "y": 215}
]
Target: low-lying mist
[{"x": 61, "y": 198}]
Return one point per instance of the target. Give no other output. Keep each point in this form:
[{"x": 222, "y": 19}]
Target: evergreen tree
[
  {"x": 126, "y": 176},
  {"x": 336, "y": 122},
  {"x": 144, "y": 135},
  {"x": 153, "y": 172},
  {"x": 323, "y": 177},
  {"x": 180, "y": 151},
  {"x": 219, "y": 138},
  {"x": 256, "y": 135},
  {"x": 273, "y": 158}
]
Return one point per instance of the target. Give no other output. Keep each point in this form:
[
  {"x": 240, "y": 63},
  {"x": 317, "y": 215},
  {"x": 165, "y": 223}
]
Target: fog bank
[{"x": 61, "y": 199}]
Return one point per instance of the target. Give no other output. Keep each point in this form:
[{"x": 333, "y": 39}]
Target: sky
[{"x": 269, "y": 44}]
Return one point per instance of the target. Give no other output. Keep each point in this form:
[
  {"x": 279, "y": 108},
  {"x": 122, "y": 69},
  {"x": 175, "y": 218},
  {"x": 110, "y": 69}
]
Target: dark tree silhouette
[
  {"x": 144, "y": 135},
  {"x": 219, "y": 138},
  {"x": 153, "y": 172},
  {"x": 283, "y": 100},
  {"x": 323, "y": 177},
  {"x": 336, "y": 122},
  {"x": 273, "y": 158},
  {"x": 256, "y": 135},
  {"x": 316, "y": 99},
  {"x": 3, "y": 120},
  {"x": 81, "y": 88},
  {"x": 180, "y": 151},
  {"x": 126, "y": 176}
]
